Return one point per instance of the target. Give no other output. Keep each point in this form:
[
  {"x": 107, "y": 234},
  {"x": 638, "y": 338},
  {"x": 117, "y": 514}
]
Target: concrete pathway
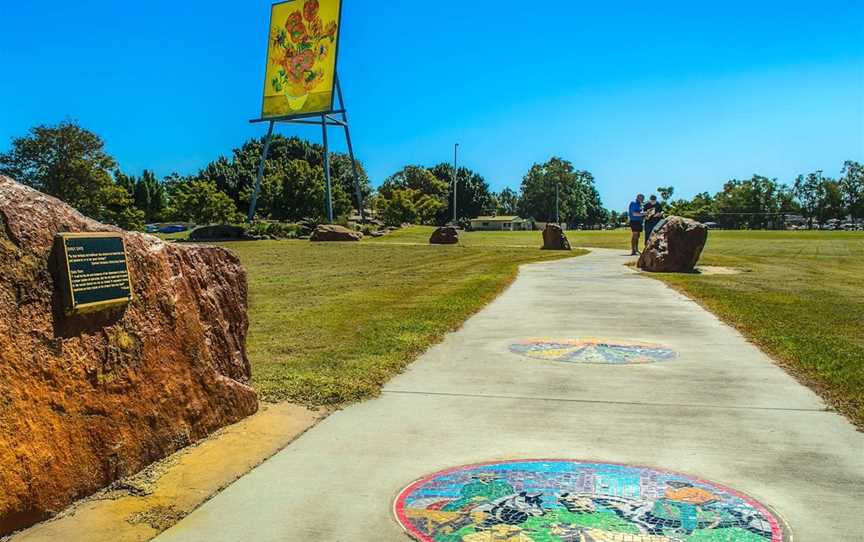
[{"x": 720, "y": 411}]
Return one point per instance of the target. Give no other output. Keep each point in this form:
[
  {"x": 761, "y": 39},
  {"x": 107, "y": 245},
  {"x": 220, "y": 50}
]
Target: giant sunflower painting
[{"x": 301, "y": 57}]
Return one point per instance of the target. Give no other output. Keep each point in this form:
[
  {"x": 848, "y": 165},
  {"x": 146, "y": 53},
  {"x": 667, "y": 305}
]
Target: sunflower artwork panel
[{"x": 301, "y": 58}]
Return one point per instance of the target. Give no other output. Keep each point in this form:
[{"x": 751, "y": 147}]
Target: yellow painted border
[{"x": 99, "y": 305}]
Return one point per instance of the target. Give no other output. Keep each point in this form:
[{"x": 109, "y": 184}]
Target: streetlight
[
  {"x": 455, "y": 161},
  {"x": 557, "y": 215}
]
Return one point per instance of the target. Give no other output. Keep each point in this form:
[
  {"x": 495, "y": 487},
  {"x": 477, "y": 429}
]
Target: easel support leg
[
  {"x": 328, "y": 192},
  {"x": 257, "y": 191},
  {"x": 358, "y": 192}
]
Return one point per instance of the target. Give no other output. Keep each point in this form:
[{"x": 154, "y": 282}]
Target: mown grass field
[
  {"x": 332, "y": 322},
  {"x": 800, "y": 297}
]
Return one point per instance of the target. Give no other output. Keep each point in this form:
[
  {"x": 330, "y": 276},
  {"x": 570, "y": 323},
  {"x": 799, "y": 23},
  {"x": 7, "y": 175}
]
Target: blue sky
[{"x": 642, "y": 94}]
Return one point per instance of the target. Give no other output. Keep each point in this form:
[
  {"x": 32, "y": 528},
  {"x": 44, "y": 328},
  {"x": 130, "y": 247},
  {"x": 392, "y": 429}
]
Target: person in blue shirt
[{"x": 636, "y": 220}]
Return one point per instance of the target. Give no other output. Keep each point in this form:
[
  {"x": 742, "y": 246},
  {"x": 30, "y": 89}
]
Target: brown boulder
[
  {"x": 331, "y": 232},
  {"x": 86, "y": 400},
  {"x": 554, "y": 238},
  {"x": 447, "y": 235},
  {"x": 674, "y": 246}
]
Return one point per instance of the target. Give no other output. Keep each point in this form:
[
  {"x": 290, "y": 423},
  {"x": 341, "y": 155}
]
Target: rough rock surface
[
  {"x": 674, "y": 246},
  {"x": 219, "y": 232},
  {"x": 448, "y": 235},
  {"x": 554, "y": 238},
  {"x": 329, "y": 232},
  {"x": 87, "y": 400}
]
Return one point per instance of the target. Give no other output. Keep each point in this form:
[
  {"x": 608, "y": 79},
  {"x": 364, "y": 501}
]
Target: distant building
[{"x": 501, "y": 223}]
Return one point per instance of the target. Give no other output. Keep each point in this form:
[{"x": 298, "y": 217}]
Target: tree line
[
  {"x": 765, "y": 203},
  {"x": 422, "y": 195},
  {"x": 71, "y": 163}
]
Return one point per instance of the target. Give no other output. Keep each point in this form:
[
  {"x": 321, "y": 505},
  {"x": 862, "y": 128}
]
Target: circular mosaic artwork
[
  {"x": 593, "y": 351},
  {"x": 573, "y": 501}
]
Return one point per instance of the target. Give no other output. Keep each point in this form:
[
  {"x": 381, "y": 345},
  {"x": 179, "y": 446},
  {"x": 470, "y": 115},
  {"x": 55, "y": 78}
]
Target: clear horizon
[{"x": 684, "y": 95}]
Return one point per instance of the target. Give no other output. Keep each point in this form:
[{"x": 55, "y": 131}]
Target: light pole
[
  {"x": 455, "y": 161},
  {"x": 557, "y": 215}
]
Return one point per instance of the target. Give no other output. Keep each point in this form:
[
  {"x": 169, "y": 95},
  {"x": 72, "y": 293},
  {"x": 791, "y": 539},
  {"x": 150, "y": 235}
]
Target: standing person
[
  {"x": 653, "y": 214},
  {"x": 636, "y": 222}
]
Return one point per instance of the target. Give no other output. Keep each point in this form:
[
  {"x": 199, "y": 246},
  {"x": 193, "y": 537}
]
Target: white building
[{"x": 501, "y": 223}]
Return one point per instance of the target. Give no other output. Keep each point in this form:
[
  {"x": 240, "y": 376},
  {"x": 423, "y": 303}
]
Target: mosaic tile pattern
[
  {"x": 593, "y": 351},
  {"x": 573, "y": 501}
]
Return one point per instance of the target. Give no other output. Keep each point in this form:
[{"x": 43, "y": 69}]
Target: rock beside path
[
  {"x": 447, "y": 235},
  {"x": 330, "y": 232},
  {"x": 675, "y": 246},
  {"x": 87, "y": 400},
  {"x": 554, "y": 238}
]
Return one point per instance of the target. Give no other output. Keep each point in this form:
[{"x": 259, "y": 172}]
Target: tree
[
  {"x": 578, "y": 200},
  {"x": 473, "y": 197},
  {"x": 852, "y": 188},
  {"x": 201, "y": 202},
  {"x": 150, "y": 196},
  {"x": 832, "y": 205},
  {"x": 342, "y": 175},
  {"x": 416, "y": 178},
  {"x": 296, "y": 191},
  {"x": 117, "y": 208},
  {"x": 70, "y": 163},
  {"x": 236, "y": 176},
  {"x": 126, "y": 182},
  {"x": 666, "y": 192},
  {"x": 508, "y": 203},
  {"x": 595, "y": 212},
  {"x": 426, "y": 192},
  {"x": 758, "y": 202},
  {"x": 810, "y": 191},
  {"x": 399, "y": 207},
  {"x": 700, "y": 208}
]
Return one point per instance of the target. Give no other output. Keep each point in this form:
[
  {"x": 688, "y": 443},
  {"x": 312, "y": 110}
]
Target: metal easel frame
[{"x": 323, "y": 119}]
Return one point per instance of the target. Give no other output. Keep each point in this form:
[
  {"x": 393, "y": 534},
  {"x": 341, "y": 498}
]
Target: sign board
[
  {"x": 95, "y": 271},
  {"x": 302, "y": 50}
]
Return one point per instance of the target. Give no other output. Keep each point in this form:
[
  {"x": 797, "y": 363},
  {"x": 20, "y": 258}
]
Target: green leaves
[{"x": 577, "y": 200}]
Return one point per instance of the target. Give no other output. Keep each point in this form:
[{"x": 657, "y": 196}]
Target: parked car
[
  {"x": 151, "y": 228},
  {"x": 174, "y": 228}
]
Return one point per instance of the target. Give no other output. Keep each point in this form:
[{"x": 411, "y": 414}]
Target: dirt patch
[
  {"x": 704, "y": 270},
  {"x": 717, "y": 270},
  {"x": 158, "y": 518}
]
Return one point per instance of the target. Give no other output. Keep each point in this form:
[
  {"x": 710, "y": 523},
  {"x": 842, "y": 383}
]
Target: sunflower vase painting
[{"x": 301, "y": 58}]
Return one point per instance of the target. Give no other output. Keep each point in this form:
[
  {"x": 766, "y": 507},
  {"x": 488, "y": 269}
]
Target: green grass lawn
[
  {"x": 800, "y": 297},
  {"x": 524, "y": 239},
  {"x": 332, "y": 322}
]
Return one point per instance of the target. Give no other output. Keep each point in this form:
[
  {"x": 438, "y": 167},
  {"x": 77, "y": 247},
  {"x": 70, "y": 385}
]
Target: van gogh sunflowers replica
[{"x": 301, "y": 60}]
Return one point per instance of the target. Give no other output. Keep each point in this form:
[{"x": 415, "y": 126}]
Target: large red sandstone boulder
[
  {"x": 447, "y": 235},
  {"x": 330, "y": 232},
  {"x": 675, "y": 246},
  {"x": 90, "y": 399},
  {"x": 554, "y": 238}
]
